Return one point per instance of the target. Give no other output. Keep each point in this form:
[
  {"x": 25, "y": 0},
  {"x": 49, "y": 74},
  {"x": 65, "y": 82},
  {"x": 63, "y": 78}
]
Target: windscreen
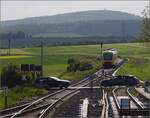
[{"x": 107, "y": 56}]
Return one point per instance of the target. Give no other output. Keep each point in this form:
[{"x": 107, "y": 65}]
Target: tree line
[
  {"x": 17, "y": 35},
  {"x": 144, "y": 35}
]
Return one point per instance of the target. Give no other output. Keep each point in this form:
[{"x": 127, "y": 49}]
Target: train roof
[{"x": 110, "y": 50}]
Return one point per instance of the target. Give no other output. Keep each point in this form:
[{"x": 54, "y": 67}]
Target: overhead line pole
[
  {"x": 42, "y": 58},
  {"x": 9, "y": 41}
]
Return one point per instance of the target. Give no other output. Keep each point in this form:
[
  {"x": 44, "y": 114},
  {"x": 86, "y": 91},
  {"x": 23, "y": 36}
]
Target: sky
[{"x": 11, "y": 10}]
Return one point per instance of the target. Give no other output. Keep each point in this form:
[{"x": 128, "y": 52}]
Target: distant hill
[
  {"x": 103, "y": 23},
  {"x": 74, "y": 17}
]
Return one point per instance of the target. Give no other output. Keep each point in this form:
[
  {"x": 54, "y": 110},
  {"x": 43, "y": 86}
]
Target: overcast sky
[{"x": 21, "y": 9}]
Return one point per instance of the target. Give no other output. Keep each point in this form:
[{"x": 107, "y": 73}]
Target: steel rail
[
  {"x": 134, "y": 100},
  {"x": 51, "y": 95},
  {"x": 25, "y": 107},
  {"x": 103, "y": 109},
  {"x": 60, "y": 99},
  {"x": 51, "y": 106},
  {"x": 115, "y": 98},
  {"x": 16, "y": 108},
  {"x": 107, "y": 106},
  {"x": 148, "y": 99}
]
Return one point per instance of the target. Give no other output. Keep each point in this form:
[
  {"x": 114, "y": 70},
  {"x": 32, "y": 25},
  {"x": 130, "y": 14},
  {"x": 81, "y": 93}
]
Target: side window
[{"x": 50, "y": 79}]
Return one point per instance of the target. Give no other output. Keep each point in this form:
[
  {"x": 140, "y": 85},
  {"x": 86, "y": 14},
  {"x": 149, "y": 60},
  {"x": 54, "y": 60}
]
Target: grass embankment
[
  {"x": 138, "y": 63},
  {"x": 18, "y": 94},
  {"x": 55, "y": 61}
]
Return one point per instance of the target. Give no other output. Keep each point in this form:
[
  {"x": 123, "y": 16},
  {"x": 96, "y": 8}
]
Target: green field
[
  {"x": 55, "y": 57},
  {"x": 55, "y": 60}
]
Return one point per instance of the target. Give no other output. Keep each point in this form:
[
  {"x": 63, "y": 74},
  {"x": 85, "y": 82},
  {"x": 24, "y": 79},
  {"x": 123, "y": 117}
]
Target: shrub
[
  {"x": 75, "y": 65},
  {"x": 11, "y": 76}
]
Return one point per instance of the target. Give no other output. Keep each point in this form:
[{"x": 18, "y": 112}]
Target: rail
[
  {"x": 22, "y": 109},
  {"x": 134, "y": 100},
  {"x": 115, "y": 98},
  {"x": 47, "y": 110},
  {"x": 103, "y": 110}
]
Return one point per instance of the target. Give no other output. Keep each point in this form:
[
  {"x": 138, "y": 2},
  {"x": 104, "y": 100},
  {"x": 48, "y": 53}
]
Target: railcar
[{"x": 110, "y": 58}]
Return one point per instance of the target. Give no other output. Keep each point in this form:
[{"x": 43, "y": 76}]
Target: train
[
  {"x": 121, "y": 80},
  {"x": 110, "y": 58}
]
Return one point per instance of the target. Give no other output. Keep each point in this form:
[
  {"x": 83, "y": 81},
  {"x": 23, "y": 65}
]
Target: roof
[{"x": 114, "y": 51}]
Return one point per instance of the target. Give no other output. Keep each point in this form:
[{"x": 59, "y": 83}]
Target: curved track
[
  {"x": 126, "y": 93},
  {"x": 42, "y": 105},
  {"x": 135, "y": 104},
  {"x": 44, "y": 102}
]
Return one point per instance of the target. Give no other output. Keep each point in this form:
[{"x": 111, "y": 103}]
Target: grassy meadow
[
  {"x": 55, "y": 62},
  {"x": 55, "y": 58}
]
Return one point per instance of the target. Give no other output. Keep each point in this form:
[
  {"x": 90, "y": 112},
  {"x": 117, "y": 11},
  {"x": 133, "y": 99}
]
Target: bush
[
  {"x": 11, "y": 76},
  {"x": 75, "y": 65},
  {"x": 85, "y": 65}
]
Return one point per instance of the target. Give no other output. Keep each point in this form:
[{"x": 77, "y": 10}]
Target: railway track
[
  {"x": 127, "y": 94},
  {"x": 104, "y": 113},
  {"x": 42, "y": 105},
  {"x": 43, "y": 102},
  {"x": 25, "y": 106},
  {"x": 140, "y": 96},
  {"x": 135, "y": 99},
  {"x": 50, "y": 107},
  {"x": 135, "y": 104}
]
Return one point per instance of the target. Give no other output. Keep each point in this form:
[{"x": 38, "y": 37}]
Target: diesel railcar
[{"x": 110, "y": 57}]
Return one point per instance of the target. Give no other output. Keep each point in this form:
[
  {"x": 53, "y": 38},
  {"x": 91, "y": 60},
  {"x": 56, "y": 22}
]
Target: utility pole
[
  {"x": 42, "y": 58},
  {"x": 101, "y": 58},
  {"x": 9, "y": 46},
  {"x": 101, "y": 50}
]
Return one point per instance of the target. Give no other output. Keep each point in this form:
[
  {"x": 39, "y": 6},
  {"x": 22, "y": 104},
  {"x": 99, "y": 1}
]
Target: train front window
[{"x": 107, "y": 56}]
